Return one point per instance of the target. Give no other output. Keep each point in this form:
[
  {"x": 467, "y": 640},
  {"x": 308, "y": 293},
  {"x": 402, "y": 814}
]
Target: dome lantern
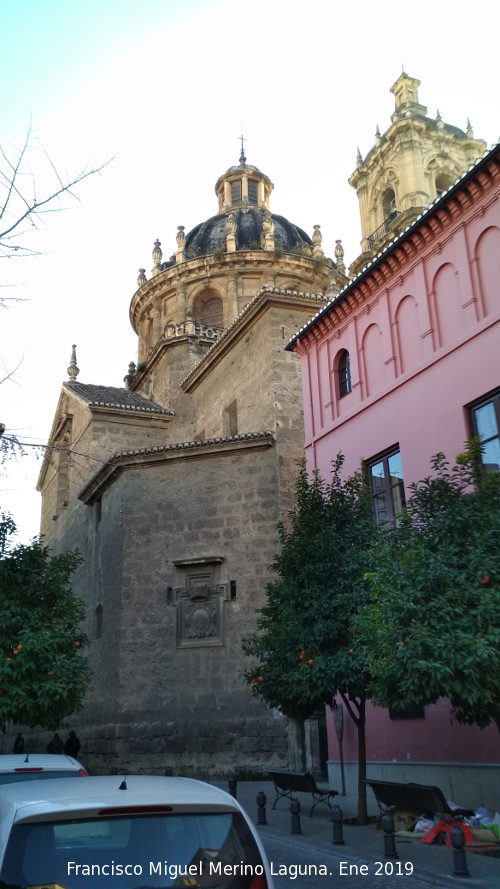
[{"x": 243, "y": 186}]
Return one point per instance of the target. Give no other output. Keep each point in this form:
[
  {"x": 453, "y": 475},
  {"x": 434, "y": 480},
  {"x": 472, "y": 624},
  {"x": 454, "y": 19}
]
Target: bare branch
[
  {"x": 13, "y": 447},
  {"x": 9, "y": 374},
  {"x": 14, "y": 170},
  {"x": 18, "y": 207}
]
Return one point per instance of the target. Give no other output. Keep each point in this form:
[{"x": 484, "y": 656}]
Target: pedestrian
[
  {"x": 72, "y": 745},
  {"x": 55, "y": 744},
  {"x": 19, "y": 743}
]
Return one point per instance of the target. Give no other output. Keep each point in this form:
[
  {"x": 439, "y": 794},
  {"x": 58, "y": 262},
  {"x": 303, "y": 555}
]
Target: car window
[
  {"x": 14, "y": 777},
  {"x": 147, "y": 852}
]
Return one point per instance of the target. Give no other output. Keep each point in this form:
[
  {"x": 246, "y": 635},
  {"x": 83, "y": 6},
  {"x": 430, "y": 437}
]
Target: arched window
[
  {"x": 443, "y": 183},
  {"x": 209, "y": 311},
  {"x": 389, "y": 205},
  {"x": 344, "y": 373}
]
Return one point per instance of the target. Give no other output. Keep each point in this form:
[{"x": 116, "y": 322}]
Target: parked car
[
  {"x": 16, "y": 767},
  {"x": 144, "y": 831}
]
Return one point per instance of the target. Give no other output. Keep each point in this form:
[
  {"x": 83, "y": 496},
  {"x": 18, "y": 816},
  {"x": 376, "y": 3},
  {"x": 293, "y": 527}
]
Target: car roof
[
  {"x": 72, "y": 797},
  {"x": 9, "y": 762}
]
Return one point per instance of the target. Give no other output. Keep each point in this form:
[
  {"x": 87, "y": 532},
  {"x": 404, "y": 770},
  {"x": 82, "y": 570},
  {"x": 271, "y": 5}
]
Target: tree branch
[{"x": 17, "y": 208}]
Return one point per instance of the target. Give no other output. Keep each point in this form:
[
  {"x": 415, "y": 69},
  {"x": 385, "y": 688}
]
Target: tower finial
[
  {"x": 242, "y": 155},
  {"x": 73, "y": 370}
]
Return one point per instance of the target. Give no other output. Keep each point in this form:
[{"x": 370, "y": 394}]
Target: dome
[{"x": 211, "y": 235}]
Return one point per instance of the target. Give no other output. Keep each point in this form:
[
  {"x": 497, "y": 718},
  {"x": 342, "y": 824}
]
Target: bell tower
[{"x": 410, "y": 165}]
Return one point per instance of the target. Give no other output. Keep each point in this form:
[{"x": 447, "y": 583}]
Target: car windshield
[
  {"x": 26, "y": 775},
  {"x": 215, "y": 850}
]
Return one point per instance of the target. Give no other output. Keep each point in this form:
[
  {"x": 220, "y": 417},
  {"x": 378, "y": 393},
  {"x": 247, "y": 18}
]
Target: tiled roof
[
  {"x": 194, "y": 443},
  {"x": 114, "y": 397},
  {"x": 225, "y": 443}
]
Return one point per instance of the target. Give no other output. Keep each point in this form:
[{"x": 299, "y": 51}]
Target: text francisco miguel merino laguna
[{"x": 163, "y": 868}]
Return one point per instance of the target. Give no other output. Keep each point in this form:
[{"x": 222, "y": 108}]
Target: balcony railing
[
  {"x": 382, "y": 230},
  {"x": 193, "y": 328}
]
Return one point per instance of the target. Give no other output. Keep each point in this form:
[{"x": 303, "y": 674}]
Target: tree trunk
[
  {"x": 356, "y": 707},
  {"x": 361, "y": 726},
  {"x": 297, "y": 747}
]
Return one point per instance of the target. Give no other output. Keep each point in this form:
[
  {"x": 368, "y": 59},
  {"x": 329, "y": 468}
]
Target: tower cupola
[
  {"x": 243, "y": 186},
  {"x": 405, "y": 92}
]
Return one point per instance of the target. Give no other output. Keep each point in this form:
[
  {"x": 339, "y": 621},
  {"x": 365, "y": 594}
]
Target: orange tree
[
  {"x": 433, "y": 622},
  {"x": 43, "y": 676},
  {"x": 305, "y": 647}
]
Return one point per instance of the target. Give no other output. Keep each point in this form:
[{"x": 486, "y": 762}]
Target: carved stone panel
[{"x": 199, "y": 608}]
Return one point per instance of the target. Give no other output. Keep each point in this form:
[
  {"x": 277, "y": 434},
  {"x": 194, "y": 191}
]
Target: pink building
[{"x": 405, "y": 362}]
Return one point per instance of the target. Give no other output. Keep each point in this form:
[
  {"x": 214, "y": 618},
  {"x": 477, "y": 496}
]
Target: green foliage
[
  {"x": 43, "y": 676},
  {"x": 301, "y": 250},
  {"x": 433, "y": 623},
  {"x": 306, "y": 647}
]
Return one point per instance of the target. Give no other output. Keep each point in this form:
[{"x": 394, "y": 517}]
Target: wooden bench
[
  {"x": 288, "y": 783},
  {"x": 423, "y": 799}
]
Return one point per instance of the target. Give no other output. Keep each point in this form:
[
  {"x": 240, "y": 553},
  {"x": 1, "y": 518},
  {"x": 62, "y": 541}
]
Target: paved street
[
  {"x": 433, "y": 865},
  {"x": 342, "y": 868}
]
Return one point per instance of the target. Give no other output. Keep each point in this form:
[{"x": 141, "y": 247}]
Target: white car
[
  {"x": 16, "y": 767},
  {"x": 145, "y": 832}
]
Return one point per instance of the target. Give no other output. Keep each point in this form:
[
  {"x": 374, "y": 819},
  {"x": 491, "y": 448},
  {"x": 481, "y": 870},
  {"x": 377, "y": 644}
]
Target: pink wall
[{"x": 422, "y": 328}]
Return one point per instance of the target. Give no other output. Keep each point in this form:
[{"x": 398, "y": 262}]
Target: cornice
[
  {"x": 209, "y": 266},
  {"x": 166, "y": 414},
  {"x": 123, "y": 460}
]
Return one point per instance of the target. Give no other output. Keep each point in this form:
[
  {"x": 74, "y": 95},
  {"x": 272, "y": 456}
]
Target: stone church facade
[{"x": 172, "y": 486}]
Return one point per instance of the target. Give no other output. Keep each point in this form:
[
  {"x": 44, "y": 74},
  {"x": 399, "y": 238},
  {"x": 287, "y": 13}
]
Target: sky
[{"x": 163, "y": 89}]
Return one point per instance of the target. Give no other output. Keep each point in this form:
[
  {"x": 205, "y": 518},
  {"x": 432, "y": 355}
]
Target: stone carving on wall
[
  {"x": 199, "y": 608},
  {"x": 200, "y": 620}
]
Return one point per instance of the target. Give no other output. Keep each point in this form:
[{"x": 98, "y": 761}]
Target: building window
[
  {"x": 442, "y": 184},
  {"x": 211, "y": 312},
  {"x": 485, "y": 423},
  {"x": 386, "y": 481},
  {"x": 344, "y": 373},
  {"x": 252, "y": 191},
  {"x": 230, "y": 419},
  {"x": 389, "y": 206},
  {"x": 236, "y": 192}
]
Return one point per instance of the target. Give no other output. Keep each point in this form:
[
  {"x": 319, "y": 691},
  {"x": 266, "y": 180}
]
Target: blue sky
[{"x": 165, "y": 88}]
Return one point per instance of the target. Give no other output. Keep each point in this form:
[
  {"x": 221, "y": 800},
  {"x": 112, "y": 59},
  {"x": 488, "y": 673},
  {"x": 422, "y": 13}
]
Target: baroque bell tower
[{"x": 410, "y": 165}]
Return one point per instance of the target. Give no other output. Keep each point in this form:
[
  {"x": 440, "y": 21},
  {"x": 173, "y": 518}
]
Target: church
[{"x": 172, "y": 486}]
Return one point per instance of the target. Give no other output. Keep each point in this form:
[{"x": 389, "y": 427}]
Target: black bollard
[
  {"x": 338, "y": 833},
  {"x": 457, "y": 839},
  {"x": 261, "y": 808},
  {"x": 295, "y": 810},
  {"x": 389, "y": 839},
  {"x": 232, "y": 786}
]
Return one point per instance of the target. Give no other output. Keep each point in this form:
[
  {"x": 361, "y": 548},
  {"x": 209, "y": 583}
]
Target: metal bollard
[
  {"x": 261, "y": 808},
  {"x": 457, "y": 840},
  {"x": 232, "y": 786},
  {"x": 338, "y": 820},
  {"x": 389, "y": 838},
  {"x": 295, "y": 810}
]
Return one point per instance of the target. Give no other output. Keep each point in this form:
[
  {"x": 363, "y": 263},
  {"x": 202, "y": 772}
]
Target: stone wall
[{"x": 167, "y": 688}]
